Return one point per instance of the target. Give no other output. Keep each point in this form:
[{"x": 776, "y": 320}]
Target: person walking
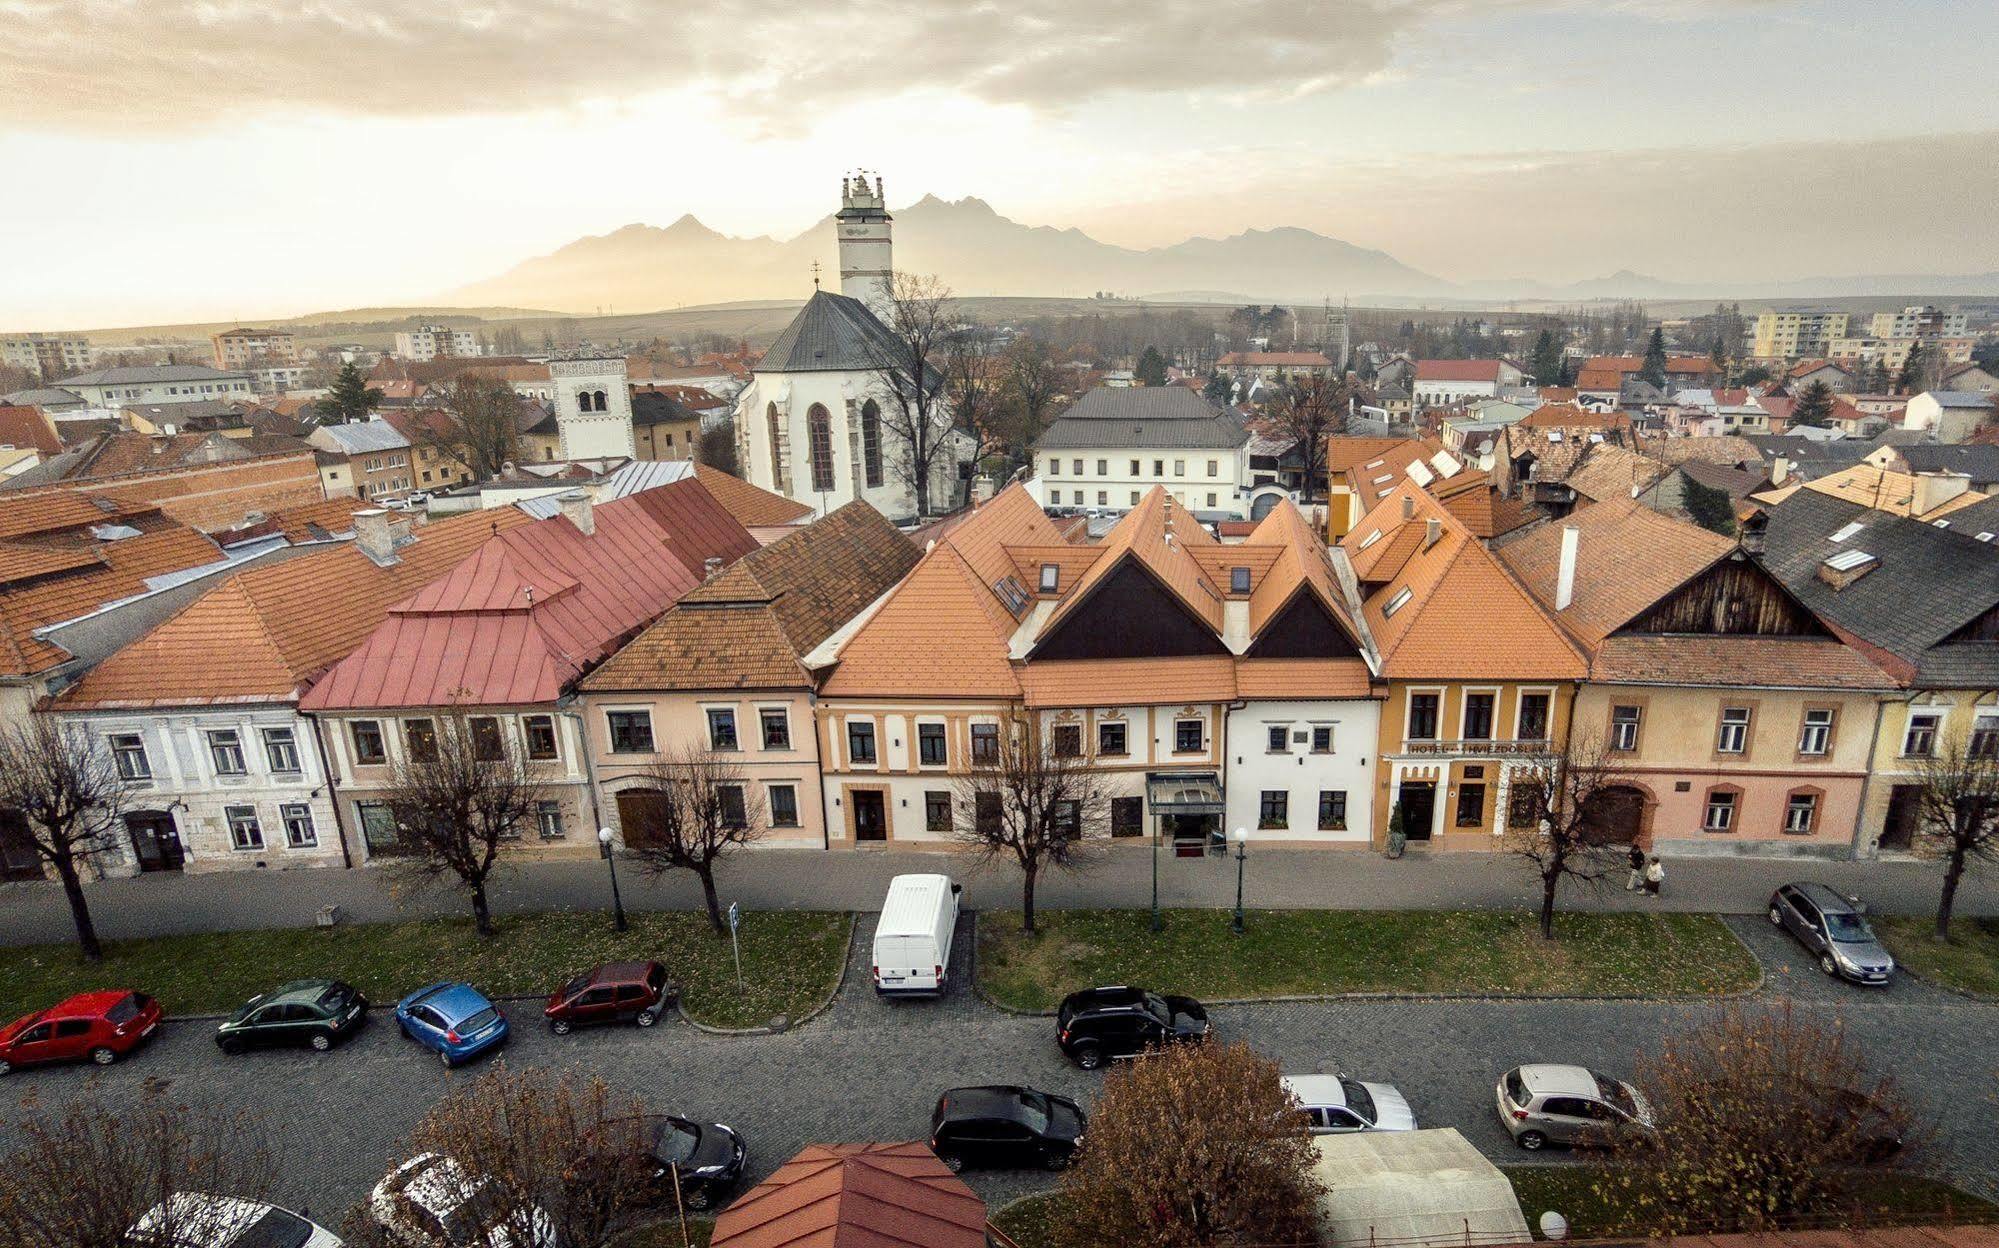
[
  {"x": 1637, "y": 869},
  {"x": 1655, "y": 875}
]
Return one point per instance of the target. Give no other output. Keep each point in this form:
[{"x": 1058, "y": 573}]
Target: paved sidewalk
[{"x": 787, "y": 879}]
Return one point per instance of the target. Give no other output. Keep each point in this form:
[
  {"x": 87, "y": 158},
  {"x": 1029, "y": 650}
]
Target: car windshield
[
  {"x": 1357, "y": 1099},
  {"x": 1847, "y": 928},
  {"x": 127, "y": 1010},
  {"x": 1616, "y": 1095},
  {"x": 676, "y": 1142},
  {"x": 1034, "y": 1111},
  {"x": 274, "y": 1229},
  {"x": 574, "y": 986},
  {"x": 478, "y": 1022}
]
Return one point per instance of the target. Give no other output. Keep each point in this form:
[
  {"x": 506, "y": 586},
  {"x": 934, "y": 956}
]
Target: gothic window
[
  {"x": 820, "y": 430},
  {"x": 582, "y": 400},
  {"x": 776, "y": 456},
  {"x": 871, "y": 442},
  {"x": 599, "y": 397}
]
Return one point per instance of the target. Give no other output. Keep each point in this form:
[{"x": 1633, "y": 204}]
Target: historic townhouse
[
  {"x": 201, "y": 714},
  {"x": 504, "y": 636},
  {"x": 1215, "y": 686},
  {"x": 1479, "y": 679},
  {"x": 1730, "y": 718},
  {"x": 723, "y": 677}
]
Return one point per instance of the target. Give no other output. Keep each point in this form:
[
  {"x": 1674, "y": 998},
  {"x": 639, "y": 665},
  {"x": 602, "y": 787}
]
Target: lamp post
[
  {"x": 617, "y": 902},
  {"x": 1157, "y": 925},
  {"x": 1241, "y": 856}
]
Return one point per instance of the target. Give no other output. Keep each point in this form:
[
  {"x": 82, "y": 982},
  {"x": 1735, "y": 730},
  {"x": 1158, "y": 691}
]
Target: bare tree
[
  {"x": 1555, "y": 828},
  {"x": 528, "y": 1157},
  {"x": 480, "y": 426},
  {"x": 67, "y": 792},
  {"x": 462, "y": 789},
  {"x": 974, "y": 388},
  {"x": 908, "y": 380},
  {"x": 1035, "y": 382},
  {"x": 1958, "y": 811},
  {"x": 85, "y": 1176},
  {"x": 1311, "y": 409},
  {"x": 1031, "y": 797},
  {"x": 701, "y": 809}
]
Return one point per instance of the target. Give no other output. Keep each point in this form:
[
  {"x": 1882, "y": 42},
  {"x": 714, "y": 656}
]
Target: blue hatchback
[{"x": 455, "y": 1021}]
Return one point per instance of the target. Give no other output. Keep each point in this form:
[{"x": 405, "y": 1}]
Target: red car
[
  {"x": 613, "y": 993},
  {"x": 101, "y": 1026}
]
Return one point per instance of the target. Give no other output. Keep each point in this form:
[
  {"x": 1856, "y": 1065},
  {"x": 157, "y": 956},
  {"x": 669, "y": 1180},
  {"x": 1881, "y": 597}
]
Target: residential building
[
  {"x": 1926, "y": 496},
  {"x": 1614, "y": 380},
  {"x": 207, "y": 480},
  {"x": 363, "y": 458},
  {"x": 836, "y": 1195},
  {"x": 1114, "y": 445},
  {"x": 1837, "y": 378},
  {"x": 1950, "y": 416},
  {"x": 157, "y": 383},
  {"x": 428, "y": 431},
  {"x": 1919, "y": 321},
  {"x": 1790, "y": 335},
  {"x": 48, "y": 356},
  {"x": 554, "y": 598},
  {"x": 1274, "y": 365},
  {"x": 1970, "y": 377},
  {"x": 237, "y": 350},
  {"x": 24, "y": 427},
  {"x": 1446, "y": 383},
  {"x": 662, "y": 426},
  {"x": 1892, "y": 354},
  {"x": 1976, "y": 462},
  {"x": 432, "y": 342},
  {"x": 723, "y": 676},
  {"x": 1723, "y": 715}
]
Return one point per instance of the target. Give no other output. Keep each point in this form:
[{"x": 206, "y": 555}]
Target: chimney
[
  {"x": 710, "y": 567},
  {"x": 1408, "y": 506},
  {"x": 982, "y": 489},
  {"x": 1780, "y": 470},
  {"x": 576, "y": 506},
  {"x": 1934, "y": 489},
  {"x": 1433, "y": 529},
  {"x": 375, "y": 534},
  {"x": 1565, "y": 572}
]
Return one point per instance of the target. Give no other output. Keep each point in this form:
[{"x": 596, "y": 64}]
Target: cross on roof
[{"x": 815, "y": 275}]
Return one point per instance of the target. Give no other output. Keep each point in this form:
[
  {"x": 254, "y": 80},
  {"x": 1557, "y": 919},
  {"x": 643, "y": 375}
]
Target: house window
[
  {"x": 420, "y": 738},
  {"x": 226, "y": 749},
  {"x": 299, "y": 832},
  {"x": 721, "y": 728},
  {"x": 1720, "y": 811},
  {"x": 1134, "y": 498},
  {"x": 735, "y": 814},
  {"x": 985, "y": 743},
  {"x": 1422, "y": 717},
  {"x": 244, "y": 830},
  {"x": 930, "y": 748},
  {"x": 1478, "y": 716},
  {"x": 281, "y": 748},
  {"x": 1322, "y": 739},
  {"x": 1984, "y": 741},
  {"x": 1054, "y": 467},
  {"x": 1238, "y": 580},
  {"x": 367, "y": 737},
  {"x": 1920, "y": 741},
  {"x": 1399, "y": 601},
  {"x": 1187, "y": 734},
  {"x": 1077, "y": 464},
  {"x": 1214, "y": 467},
  {"x": 936, "y": 811},
  {"x": 1533, "y": 717},
  {"x": 1471, "y": 805},
  {"x": 1065, "y": 818},
  {"x": 1179, "y": 467},
  {"x": 819, "y": 434},
  {"x": 1158, "y": 467},
  {"x": 487, "y": 744},
  {"x": 631, "y": 731},
  {"x": 1055, "y": 498},
  {"x": 1103, "y": 498},
  {"x": 1278, "y": 739},
  {"x": 1523, "y": 805},
  {"x": 540, "y": 731},
  {"x": 128, "y": 750},
  {"x": 784, "y": 806},
  {"x": 1816, "y": 735},
  {"x": 548, "y": 820},
  {"x": 1332, "y": 810},
  {"x": 1136, "y": 467},
  {"x": 1624, "y": 728},
  {"x": 1734, "y": 735},
  {"x": 1274, "y": 811},
  {"x": 860, "y": 742},
  {"x": 1103, "y": 467},
  {"x": 1127, "y": 816},
  {"x": 1110, "y": 738},
  {"x": 776, "y": 724},
  {"x": 1051, "y": 576},
  {"x": 986, "y": 813},
  {"x": 1068, "y": 740},
  {"x": 1801, "y": 813}
]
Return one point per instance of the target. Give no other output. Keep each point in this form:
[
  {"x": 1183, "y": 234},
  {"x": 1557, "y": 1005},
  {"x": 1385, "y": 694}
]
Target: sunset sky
[{"x": 236, "y": 159}]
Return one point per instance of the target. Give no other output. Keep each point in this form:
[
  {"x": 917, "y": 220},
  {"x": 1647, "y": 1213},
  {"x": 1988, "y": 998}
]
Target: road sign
[{"x": 735, "y": 946}]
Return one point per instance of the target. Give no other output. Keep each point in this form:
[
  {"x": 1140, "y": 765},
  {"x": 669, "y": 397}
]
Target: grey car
[
  {"x": 1833, "y": 928},
  {"x": 1546, "y": 1104}
]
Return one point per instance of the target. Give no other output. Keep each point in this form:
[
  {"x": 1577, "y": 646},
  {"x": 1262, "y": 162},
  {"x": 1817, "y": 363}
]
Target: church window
[
  {"x": 582, "y": 400},
  {"x": 776, "y": 456},
  {"x": 600, "y": 401},
  {"x": 819, "y": 427},
  {"x": 871, "y": 442}
]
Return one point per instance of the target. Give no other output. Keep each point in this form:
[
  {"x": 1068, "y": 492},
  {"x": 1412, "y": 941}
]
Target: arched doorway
[
  {"x": 1614, "y": 815},
  {"x": 641, "y": 814},
  {"x": 155, "y": 840}
]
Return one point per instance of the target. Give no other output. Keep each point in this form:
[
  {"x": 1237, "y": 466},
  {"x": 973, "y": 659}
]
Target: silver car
[
  {"x": 1547, "y": 1104},
  {"x": 1337, "y": 1105},
  {"x": 1834, "y": 928}
]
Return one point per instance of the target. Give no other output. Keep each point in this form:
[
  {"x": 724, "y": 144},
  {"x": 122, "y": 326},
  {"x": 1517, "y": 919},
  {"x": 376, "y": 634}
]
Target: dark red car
[
  {"x": 615, "y": 992},
  {"x": 101, "y": 1026}
]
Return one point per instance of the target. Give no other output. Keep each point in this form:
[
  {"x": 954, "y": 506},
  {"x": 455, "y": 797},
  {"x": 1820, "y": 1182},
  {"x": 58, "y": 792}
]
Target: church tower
[{"x": 863, "y": 224}]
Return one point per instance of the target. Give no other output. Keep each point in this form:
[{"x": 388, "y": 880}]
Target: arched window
[
  {"x": 819, "y": 429},
  {"x": 600, "y": 401},
  {"x": 582, "y": 400},
  {"x": 871, "y": 442},
  {"x": 776, "y": 453}
]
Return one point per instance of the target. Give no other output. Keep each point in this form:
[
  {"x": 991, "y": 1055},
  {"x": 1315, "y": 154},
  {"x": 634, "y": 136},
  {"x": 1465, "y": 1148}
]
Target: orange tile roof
[
  {"x": 1570, "y": 416},
  {"x": 66, "y": 510},
  {"x": 1884, "y": 490},
  {"x": 1286, "y": 679},
  {"x": 120, "y": 572},
  {"x": 1458, "y": 370},
  {"x": 1627, "y": 558},
  {"x": 1071, "y": 563},
  {"x": 28, "y": 427},
  {"x": 1366, "y": 477},
  {"x": 1739, "y": 662},
  {"x": 1157, "y": 534},
  {"x": 940, "y": 633},
  {"x": 751, "y": 505},
  {"x": 1301, "y": 564},
  {"x": 856, "y": 1196},
  {"x": 308, "y": 522},
  {"x": 1155, "y": 681}
]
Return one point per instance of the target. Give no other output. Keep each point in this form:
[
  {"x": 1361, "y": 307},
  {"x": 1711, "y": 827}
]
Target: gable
[
  {"x": 1303, "y": 629},
  {"x": 1733, "y": 598},
  {"x": 1128, "y": 614}
]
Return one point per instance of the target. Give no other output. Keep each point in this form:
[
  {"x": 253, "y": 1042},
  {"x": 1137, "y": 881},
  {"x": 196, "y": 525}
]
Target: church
[{"x": 811, "y": 424}]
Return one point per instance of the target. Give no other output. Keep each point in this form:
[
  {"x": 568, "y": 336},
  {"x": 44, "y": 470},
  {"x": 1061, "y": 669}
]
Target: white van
[{"x": 913, "y": 939}]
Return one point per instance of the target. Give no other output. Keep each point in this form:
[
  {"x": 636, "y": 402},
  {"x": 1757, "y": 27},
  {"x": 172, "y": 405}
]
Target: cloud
[{"x": 177, "y": 64}]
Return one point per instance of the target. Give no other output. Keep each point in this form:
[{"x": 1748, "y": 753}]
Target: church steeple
[{"x": 866, "y": 259}]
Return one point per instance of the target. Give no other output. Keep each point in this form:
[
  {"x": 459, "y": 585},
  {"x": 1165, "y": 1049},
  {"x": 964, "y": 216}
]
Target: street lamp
[
  {"x": 1241, "y": 856},
  {"x": 1157, "y": 924},
  {"x": 617, "y": 902}
]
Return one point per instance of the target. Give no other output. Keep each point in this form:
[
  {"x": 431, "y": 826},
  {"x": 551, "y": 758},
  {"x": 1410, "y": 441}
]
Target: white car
[
  {"x": 198, "y": 1220},
  {"x": 1337, "y": 1105},
  {"x": 430, "y": 1201}
]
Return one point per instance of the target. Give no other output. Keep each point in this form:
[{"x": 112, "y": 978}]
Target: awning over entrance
[{"x": 1184, "y": 793}]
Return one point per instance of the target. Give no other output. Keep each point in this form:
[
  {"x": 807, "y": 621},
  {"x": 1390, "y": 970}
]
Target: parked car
[
  {"x": 616, "y": 992},
  {"x": 1546, "y": 1104},
  {"x": 1098, "y": 1024},
  {"x": 708, "y": 1157},
  {"x": 198, "y": 1220},
  {"x": 316, "y": 1013},
  {"x": 1004, "y": 1125},
  {"x": 1337, "y": 1105},
  {"x": 431, "y": 1199},
  {"x": 1878, "y": 1131},
  {"x": 101, "y": 1026},
  {"x": 454, "y": 1021},
  {"x": 1834, "y": 928},
  {"x": 912, "y": 949}
]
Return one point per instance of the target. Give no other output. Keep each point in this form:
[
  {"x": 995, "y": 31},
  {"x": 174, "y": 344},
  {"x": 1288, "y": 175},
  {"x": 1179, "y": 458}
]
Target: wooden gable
[
  {"x": 1129, "y": 615},
  {"x": 1303, "y": 629},
  {"x": 1734, "y": 597}
]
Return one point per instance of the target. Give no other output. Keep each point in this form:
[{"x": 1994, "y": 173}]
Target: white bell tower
[{"x": 865, "y": 249}]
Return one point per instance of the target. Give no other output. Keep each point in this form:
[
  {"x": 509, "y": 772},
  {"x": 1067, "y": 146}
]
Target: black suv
[
  {"x": 1004, "y": 1125},
  {"x": 1098, "y": 1024},
  {"x": 316, "y": 1013}
]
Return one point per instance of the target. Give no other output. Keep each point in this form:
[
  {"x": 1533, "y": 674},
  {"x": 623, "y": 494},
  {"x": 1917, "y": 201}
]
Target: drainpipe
[
  {"x": 1867, "y": 781},
  {"x": 589, "y": 766},
  {"x": 332, "y": 793},
  {"x": 819, "y": 769}
]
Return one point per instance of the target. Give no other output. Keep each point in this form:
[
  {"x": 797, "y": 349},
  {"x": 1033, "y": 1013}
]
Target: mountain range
[{"x": 976, "y": 251}]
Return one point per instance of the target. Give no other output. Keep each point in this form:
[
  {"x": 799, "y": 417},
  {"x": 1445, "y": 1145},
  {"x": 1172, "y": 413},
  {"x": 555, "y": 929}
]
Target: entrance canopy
[
  {"x": 1184, "y": 793},
  {"x": 1413, "y": 1189}
]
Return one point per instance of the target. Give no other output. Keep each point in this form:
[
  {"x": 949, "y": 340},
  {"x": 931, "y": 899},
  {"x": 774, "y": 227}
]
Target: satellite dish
[{"x": 1554, "y": 1226}]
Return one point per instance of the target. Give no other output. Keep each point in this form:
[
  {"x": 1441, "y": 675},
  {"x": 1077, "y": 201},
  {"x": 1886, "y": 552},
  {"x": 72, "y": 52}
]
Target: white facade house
[
  {"x": 156, "y": 384},
  {"x": 1298, "y": 771},
  {"x": 593, "y": 406},
  {"x": 1114, "y": 444},
  {"x": 1446, "y": 383},
  {"x": 1950, "y": 415},
  {"x": 429, "y": 342}
]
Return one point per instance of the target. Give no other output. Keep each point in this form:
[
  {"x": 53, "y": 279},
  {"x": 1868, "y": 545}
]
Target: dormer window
[
  {"x": 1399, "y": 601},
  {"x": 1051, "y": 575},
  {"x": 1238, "y": 580},
  {"x": 1371, "y": 539}
]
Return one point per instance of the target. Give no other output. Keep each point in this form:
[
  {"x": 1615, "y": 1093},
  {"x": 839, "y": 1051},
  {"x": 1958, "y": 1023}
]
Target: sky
[{"x": 186, "y": 160}]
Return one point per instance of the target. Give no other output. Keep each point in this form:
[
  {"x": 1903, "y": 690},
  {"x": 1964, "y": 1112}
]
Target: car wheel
[
  {"x": 230, "y": 1046},
  {"x": 1532, "y": 1141},
  {"x": 1089, "y": 1057},
  {"x": 6, "y": 1068},
  {"x": 1829, "y": 966},
  {"x": 560, "y": 1026},
  {"x": 103, "y": 1056},
  {"x": 1776, "y": 917},
  {"x": 1056, "y": 1160},
  {"x": 444, "y": 1057},
  {"x": 952, "y": 1162},
  {"x": 698, "y": 1199},
  {"x": 647, "y": 1018},
  {"x": 321, "y": 1042}
]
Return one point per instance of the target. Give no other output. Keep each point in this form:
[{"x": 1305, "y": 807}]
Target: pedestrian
[
  {"x": 1637, "y": 869},
  {"x": 1655, "y": 875}
]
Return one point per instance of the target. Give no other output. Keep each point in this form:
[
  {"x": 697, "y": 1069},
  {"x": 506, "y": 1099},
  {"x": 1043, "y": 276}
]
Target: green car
[{"x": 314, "y": 1013}]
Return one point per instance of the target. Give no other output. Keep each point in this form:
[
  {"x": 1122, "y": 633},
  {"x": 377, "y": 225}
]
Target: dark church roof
[{"x": 831, "y": 333}]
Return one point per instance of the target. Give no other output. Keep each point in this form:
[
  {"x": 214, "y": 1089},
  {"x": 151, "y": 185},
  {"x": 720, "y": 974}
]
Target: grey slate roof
[
  {"x": 831, "y": 333},
  {"x": 1961, "y": 398},
  {"x": 42, "y": 396},
  {"x": 1930, "y": 582},
  {"x": 149, "y": 374},
  {"x": 1144, "y": 417},
  {"x": 650, "y": 407},
  {"x": 1979, "y": 461},
  {"x": 358, "y": 437}
]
